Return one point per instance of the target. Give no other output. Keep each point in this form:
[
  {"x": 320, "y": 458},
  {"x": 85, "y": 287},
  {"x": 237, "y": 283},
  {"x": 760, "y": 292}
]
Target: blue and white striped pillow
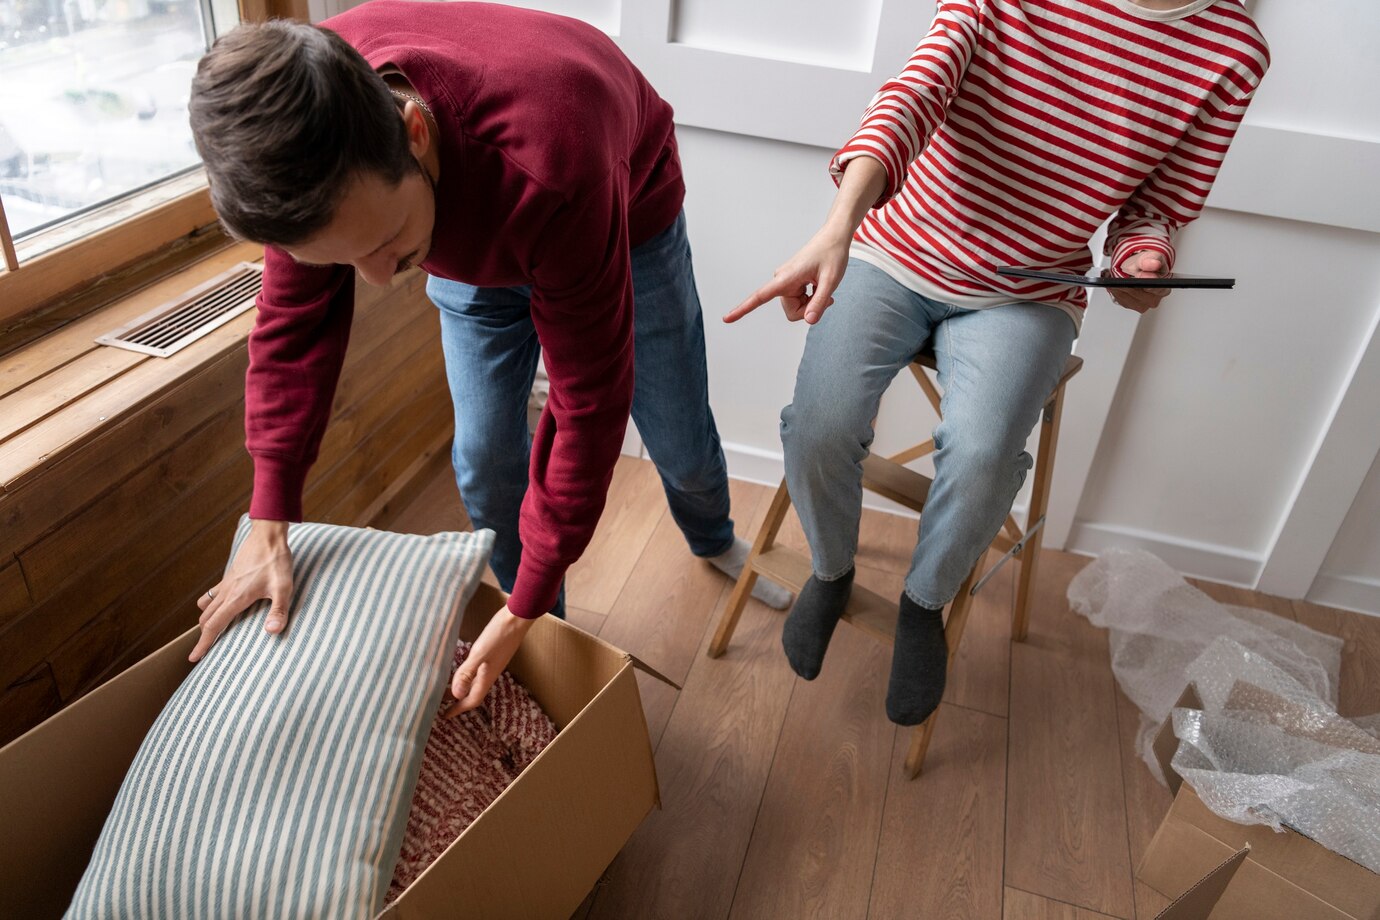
[{"x": 277, "y": 780}]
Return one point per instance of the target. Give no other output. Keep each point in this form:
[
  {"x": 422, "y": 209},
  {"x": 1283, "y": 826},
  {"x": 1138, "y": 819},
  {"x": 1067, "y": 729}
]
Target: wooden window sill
[{"x": 62, "y": 390}]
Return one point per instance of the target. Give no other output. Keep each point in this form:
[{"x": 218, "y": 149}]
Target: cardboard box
[
  {"x": 1286, "y": 876},
  {"x": 534, "y": 853}
]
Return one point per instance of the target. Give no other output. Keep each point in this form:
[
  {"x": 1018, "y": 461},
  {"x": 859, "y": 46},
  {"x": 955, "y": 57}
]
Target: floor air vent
[{"x": 178, "y": 323}]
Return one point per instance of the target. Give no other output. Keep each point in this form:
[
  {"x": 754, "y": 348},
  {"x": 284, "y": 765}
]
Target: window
[{"x": 93, "y": 103}]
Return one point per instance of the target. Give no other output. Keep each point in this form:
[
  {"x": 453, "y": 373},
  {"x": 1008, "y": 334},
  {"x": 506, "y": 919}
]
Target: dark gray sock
[
  {"x": 811, "y": 623},
  {"x": 918, "y": 664}
]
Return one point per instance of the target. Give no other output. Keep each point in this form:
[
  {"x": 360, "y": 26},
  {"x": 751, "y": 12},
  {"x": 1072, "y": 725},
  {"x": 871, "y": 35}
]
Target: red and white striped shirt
[{"x": 1019, "y": 126}]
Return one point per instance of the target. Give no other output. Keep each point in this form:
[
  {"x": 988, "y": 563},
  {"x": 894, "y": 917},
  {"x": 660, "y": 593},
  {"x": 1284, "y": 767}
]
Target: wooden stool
[{"x": 890, "y": 478}]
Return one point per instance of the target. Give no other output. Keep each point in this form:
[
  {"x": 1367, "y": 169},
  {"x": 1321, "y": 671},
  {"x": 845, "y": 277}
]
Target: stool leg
[
  {"x": 919, "y": 744},
  {"x": 1039, "y": 503},
  {"x": 926, "y": 384},
  {"x": 953, "y": 633},
  {"x": 728, "y": 620}
]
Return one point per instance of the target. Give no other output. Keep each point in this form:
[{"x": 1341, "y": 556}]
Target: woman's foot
[
  {"x": 811, "y": 623},
  {"x": 919, "y": 662}
]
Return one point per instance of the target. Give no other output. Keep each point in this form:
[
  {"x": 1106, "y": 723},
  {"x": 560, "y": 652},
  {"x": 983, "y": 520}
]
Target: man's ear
[{"x": 418, "y": 129}]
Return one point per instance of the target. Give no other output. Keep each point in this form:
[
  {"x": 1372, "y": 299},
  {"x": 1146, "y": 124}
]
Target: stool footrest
[
  {"x": 896, "y": 482},
  {"x": 867, "y": 610}
]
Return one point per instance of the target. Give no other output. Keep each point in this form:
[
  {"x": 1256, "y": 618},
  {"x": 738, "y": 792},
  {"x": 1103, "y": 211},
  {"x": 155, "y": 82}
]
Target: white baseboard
[
  {"x": 1202, "y": 560},
  {"x": 1350, "y": 592},
  {"x": 753, "y": 464}
]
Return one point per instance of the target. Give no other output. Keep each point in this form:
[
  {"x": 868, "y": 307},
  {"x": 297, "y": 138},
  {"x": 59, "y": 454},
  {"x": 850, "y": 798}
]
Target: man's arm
[
  {"x": 296, "y": 351},
  {"x": 582, "y": 307}
]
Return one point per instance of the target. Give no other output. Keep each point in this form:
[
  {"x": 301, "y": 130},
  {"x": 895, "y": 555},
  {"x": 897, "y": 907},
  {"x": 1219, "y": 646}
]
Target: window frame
[
  {"x": 158, "y": 216},
  {"x": 48, "y": 276}
]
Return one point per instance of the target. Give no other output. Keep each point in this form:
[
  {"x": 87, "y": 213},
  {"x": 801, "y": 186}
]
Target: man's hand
[
  {"x": 1145, "y": 263},
  {"x": 488, "y": 657},
  {"x": 261, "y": 569},
  {"x": 805, "y": 283}
]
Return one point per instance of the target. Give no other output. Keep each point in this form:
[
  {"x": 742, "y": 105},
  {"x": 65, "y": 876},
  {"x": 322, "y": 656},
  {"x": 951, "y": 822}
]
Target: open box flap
[
  {"x": 1198, "y": 901},
  {"x": 648, "y": 669},
  {"x": 59, "y": 779}
]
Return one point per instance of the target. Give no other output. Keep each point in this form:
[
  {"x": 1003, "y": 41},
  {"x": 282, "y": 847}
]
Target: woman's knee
[
  {"x": 816, "y": 429},
  {"x": 984, "y": 461}
]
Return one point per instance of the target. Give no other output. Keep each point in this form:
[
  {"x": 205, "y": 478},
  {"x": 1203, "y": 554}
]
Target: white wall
[
  {"x": 760, "y": 30},
  {"x": 1350, "y": 575},
  {"x": 1243, "y": 426},
  {"x": 749, "y": 201},
  {"x": 1223, "y": 397},
  {"x": 1323, "y": 68},
  {"x": 1233, "y": 433}
]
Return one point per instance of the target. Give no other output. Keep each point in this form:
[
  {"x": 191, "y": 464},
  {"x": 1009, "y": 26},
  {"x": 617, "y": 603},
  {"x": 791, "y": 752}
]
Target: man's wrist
[
  {"x": 517, "y": 623},
  {"x": 273, "y": 531}
]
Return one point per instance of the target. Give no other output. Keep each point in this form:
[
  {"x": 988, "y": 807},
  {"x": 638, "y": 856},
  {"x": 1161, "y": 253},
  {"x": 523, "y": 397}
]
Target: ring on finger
[{"x": 211, "y": 594}]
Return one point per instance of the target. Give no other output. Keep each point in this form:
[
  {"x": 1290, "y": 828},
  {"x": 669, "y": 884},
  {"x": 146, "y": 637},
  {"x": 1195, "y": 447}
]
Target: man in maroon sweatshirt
[{"x": 531, "y": 171}]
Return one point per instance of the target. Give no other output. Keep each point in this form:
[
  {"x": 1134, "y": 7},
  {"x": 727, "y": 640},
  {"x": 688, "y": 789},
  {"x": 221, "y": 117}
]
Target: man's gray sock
[
  {"x": 811, "y": 623},
  {"x": 919, "y": 662},
  {"x": 765, "y": 590}
]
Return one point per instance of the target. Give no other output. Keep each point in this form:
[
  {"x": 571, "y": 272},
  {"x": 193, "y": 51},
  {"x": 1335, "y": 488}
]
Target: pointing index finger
[
  {"x": 744, "y": 308},
  {"x": 762, "y": 295}
]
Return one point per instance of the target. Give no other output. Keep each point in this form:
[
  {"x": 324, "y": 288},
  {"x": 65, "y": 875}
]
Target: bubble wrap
[
  {"x": 1159, "y": 624},
  {"x": 1268, "y": 746},
  {"x": 1266, "y": 750}
]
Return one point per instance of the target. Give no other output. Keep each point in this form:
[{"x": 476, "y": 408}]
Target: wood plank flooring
[{"x": 784, "y": 798}]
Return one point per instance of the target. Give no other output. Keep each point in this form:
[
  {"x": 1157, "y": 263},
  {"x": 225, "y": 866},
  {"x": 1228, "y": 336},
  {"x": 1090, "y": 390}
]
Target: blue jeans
[
  {"x": 491, "y": 352},
  {"x": 996, "y": 367}
]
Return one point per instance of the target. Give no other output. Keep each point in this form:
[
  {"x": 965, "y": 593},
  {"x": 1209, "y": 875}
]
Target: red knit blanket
[{"x": 468, "y": 762}]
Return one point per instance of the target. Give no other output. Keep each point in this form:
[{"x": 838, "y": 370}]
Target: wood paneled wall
[
  {"x": 261, "y": 10},
  {"x": 124, "y": 477}
]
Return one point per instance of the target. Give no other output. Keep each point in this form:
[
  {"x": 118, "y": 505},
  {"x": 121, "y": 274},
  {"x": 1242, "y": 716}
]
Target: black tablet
[{"x": 1103, "y": 278}]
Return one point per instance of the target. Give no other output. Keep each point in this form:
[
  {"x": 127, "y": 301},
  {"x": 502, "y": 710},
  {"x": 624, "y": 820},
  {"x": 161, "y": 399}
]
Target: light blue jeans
[
  {"x": 491, "y": 352},
  {"x": 996, "y": 368}
]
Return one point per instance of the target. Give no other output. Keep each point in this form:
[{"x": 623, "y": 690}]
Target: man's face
[{"x": 378, "y": 228}]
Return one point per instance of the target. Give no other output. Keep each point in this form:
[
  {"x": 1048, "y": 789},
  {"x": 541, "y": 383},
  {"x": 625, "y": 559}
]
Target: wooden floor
[{"x": 786, "y": 799}]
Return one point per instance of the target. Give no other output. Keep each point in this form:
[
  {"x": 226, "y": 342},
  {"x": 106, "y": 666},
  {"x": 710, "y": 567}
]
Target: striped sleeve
[
  {"x": 1174, "y": 193},
  {"x": 907, "y": 110}
]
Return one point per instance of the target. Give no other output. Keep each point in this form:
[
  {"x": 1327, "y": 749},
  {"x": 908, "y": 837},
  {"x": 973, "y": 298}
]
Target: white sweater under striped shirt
[{"x": 1019, "y": 126}]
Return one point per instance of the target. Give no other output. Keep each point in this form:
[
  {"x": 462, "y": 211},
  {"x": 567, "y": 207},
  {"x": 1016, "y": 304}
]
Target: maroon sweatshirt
[{"x": 557, "y": 157}]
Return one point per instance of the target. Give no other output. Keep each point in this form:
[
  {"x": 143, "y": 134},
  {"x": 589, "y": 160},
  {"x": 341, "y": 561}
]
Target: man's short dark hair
[{"x": 285, "y": 115}]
